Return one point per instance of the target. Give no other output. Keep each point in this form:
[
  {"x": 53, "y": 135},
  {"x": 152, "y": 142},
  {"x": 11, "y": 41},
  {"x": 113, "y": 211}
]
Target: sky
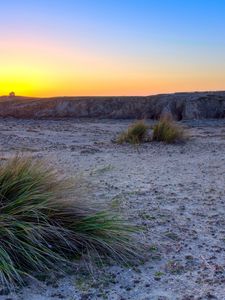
[{"x": 111, "y": 47}]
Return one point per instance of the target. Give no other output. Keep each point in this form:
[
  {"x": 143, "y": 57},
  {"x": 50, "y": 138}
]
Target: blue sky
[{"x": 138, "y": 35}]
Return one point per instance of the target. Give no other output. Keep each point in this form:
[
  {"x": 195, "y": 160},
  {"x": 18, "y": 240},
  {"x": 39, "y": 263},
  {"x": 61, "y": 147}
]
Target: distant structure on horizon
[{"x": 12, "y": 94}]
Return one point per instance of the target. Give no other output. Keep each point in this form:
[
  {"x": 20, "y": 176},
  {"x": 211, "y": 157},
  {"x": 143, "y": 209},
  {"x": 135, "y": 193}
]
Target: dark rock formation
[{"x": 199, "y": 105}]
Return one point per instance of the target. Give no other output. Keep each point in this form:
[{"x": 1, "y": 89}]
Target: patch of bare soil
[{"x": 175, "y": 192}]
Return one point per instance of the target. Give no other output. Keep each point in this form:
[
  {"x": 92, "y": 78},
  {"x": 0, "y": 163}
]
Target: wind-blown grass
[
  {"x": 43, "y": 225},
  {"x": 135, "y": 134},
  {"x": 167, "y": 130}
]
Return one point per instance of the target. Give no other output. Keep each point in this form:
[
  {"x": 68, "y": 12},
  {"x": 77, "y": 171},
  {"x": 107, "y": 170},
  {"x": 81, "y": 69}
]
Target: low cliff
[{"x": 201, "y": 105}]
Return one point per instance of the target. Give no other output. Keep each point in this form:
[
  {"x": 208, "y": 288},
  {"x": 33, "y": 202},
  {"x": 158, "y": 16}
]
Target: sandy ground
[{"x": 176, "y": 192}]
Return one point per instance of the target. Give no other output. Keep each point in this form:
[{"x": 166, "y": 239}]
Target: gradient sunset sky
[{"x": 111, "y": 47}]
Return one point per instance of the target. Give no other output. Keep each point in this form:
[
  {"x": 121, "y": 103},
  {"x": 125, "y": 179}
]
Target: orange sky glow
[{"x": 85, "y": 49}]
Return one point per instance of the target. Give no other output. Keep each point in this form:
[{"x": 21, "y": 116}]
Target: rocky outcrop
[{"x": 199, "y": 105}]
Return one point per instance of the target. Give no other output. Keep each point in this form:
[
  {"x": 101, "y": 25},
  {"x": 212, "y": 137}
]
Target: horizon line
[{"x": 111, "y": 96}]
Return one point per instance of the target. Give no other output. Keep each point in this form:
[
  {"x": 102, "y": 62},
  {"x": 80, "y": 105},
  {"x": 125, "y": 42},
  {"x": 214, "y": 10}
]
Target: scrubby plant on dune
[
  {"x": 135, "y": 134},
  {"x": 167, "y": 130},
  {"x": 42, "y": 225}
]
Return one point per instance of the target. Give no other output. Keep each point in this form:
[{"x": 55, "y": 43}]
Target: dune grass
[
  {"x": 42, "y": 223},
  {"x": 167, "y": 130},
  {"x": 135, "y": 134}
]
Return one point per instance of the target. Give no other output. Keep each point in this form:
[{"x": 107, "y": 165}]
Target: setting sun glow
[{"x": 52, "y": 48}]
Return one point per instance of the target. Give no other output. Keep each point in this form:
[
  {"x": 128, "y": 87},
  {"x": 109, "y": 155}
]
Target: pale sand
[{"x": 176, "y": 192}]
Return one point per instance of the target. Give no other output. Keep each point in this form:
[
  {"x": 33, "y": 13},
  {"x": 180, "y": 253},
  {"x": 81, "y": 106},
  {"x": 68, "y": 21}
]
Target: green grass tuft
[
  {"x": 42, "y": 223},
  {"x": 135, "y": 134},
  {"x": 167, "y": 130}
]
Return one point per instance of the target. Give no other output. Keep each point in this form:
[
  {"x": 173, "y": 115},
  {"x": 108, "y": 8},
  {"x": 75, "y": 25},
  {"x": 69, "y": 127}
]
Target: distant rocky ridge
[{"x": 197, "y": 105}]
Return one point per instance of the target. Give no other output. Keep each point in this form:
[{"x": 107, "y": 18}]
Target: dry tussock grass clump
[
  {"x": 135, "y": 134},
  {"x": 167, "y": 130},
  {"x": 43, "y": 225}
]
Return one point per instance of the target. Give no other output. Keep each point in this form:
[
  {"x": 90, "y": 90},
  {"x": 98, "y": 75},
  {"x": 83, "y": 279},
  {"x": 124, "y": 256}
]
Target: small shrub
[
  {"x": 135, "y": 134},
  {"x": 42, "y": 223},
  {"x": 167, "y": 130}
]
